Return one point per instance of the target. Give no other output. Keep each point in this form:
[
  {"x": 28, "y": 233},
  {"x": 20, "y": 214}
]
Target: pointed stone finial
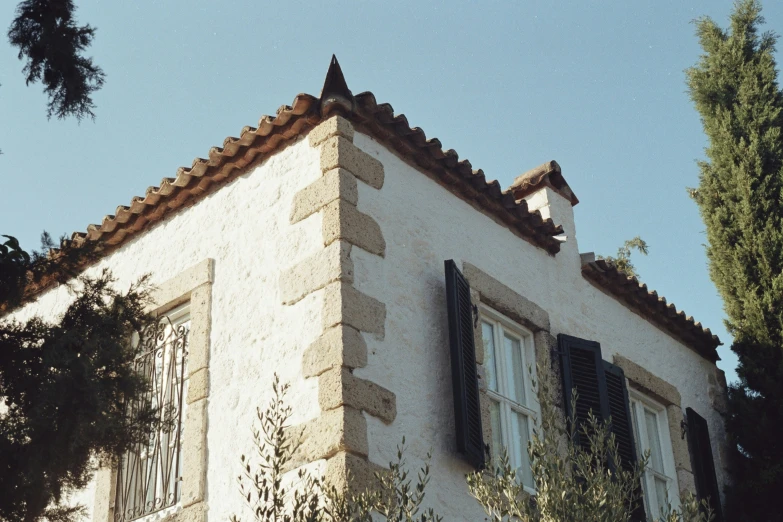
[{"x": 336, "y": 97}]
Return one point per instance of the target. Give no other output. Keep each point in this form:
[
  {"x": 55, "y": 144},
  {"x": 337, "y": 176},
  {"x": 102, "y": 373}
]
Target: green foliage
[
  {"x": 623, "y": 260},
  {"x": 64, "y": 384},
  {"x": 571, "y": 483},
  {"x": 396, "y": 498},
  {"x": 53, "y": 45},
  {"x": 734, "y": 87},
  {"x": 15, "y": 264},
  {"x": 21, "y": 272}
]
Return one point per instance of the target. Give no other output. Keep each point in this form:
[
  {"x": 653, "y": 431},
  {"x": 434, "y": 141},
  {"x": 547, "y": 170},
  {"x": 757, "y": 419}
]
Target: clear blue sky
[{"x": 597, "y": 86}]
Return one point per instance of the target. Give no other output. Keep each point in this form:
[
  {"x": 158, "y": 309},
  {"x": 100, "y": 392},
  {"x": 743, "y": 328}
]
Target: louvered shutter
[
  {"x": 617, "y": 393},
  {"x": 622, "y": 427},
  {"x": 600, "y": 387},
  {"x": 467, "y": 407},
  {"x": 702, "y": 462},
  {"x": 583, "y": 369}
]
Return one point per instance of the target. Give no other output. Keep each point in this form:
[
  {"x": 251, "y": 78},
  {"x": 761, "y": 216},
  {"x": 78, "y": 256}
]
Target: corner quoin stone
[
  {"x": 337, "y": 151},
  {"x": 334, "y": 126},
  {"x": 337, "y": 347},
  {"x": 343, "y": 304},
  {"x": 345, "y": 471},
  {"x": 339, "y": 387},
  {"x": 341, "y": 429},
  {"x": 331, "y": 264},
  {"x": 342, "y": 220},
  {"x": 333, "y": 185}
]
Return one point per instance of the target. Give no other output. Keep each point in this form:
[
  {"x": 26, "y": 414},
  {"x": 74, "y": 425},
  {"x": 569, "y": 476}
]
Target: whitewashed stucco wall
[
  {"x": 423, "y": 225},
  {"x": 245, "y": 228}
]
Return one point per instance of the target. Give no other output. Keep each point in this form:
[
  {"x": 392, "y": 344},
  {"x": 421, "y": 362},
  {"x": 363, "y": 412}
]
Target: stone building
[{"x": 314, "y": 246}]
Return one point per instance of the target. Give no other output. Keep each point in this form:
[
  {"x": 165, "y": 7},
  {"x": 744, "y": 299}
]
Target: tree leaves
[
  {"x": 623, "y": 260},
  {"x": 735, "y": 89},
  {"x": 65, "y": 383},
  {"x": 53, "y": 46}
]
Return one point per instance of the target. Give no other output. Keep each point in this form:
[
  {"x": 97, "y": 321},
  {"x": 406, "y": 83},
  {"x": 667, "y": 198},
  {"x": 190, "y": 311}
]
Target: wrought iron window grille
[{"x": 149, "y": 475}]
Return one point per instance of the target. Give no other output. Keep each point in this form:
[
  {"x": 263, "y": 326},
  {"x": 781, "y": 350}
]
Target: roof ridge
[{"x": 635, "y": 294}]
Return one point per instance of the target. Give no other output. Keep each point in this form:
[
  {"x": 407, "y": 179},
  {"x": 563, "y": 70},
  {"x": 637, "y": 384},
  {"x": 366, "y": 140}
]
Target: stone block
[
  {"x": 343, "y": 304},
  {"x": 194, "y": 453},
  {"x": 343, "y": 221},
  {"x": 647, "y": 382},
  {"x": 686, "y": 482},
  {"x": 331, "y": 264},
  {"x": 194, "y": 513},
  {"x": 338, "y": 151},
  {"x": 105, "y": 491},
  {"x": 338, "y": 346},
  {"x": 682, "y": 456},
  {"x": 176, "y": 290},
  {"x": 339, "y": 387},
  {"x": 334, "y": 184},
  {"x": 200, "y": 327},
  {"x": 506, "y": 300},
  {"x": 198, "y": 385},
  {"x": 355, "y": 474},
  {"x": 334, "y": 126},
  {"x": 341, "y": 429}
]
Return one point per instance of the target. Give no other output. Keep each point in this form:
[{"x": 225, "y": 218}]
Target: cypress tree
[{"x": 734, "y": 87}]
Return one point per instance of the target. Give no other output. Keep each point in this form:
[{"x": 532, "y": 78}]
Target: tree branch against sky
[
  {"x": 52, "y": 46},
  {"x": 735, "y": 89},
  {"x": 623, "y": 259}
]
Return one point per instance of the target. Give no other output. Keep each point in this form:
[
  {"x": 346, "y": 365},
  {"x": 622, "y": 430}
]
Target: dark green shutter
[
  {"x": 619, "y": 409},
  {"x": 600, "y": 387},
  {"x": 622, "y": 425},
  {"x": 583, "y": 369},
  {"x": 467, "y": 406},
  {"x": 702, "y": 462}
]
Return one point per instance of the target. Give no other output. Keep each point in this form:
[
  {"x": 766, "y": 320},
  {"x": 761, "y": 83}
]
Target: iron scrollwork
[{"x": 149, "y": 475}]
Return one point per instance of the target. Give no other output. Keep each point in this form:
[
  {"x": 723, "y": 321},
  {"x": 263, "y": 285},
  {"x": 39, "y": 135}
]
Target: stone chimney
[{"x": 545, "y": 190}]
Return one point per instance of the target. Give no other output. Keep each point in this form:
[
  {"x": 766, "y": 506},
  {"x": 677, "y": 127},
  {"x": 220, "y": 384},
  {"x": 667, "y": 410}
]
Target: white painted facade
[
  {"x": 425, "y": 224},
  {"x": 244, "y": 227}
]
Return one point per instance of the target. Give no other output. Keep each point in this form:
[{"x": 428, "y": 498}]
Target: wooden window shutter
[
  {"x": 622, "y": 426},
  {"x": 702, "y": 462},
  {"x": 600, "y": 387},
  {"x": 582, "y": 368},
  {"x": 619, "y": 409},
  {"x": 467, "y": 406}
]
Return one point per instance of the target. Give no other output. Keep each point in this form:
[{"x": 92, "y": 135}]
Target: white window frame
[
  {"x": 505, "y": 326},
  {"x": 642, "y": 404}
]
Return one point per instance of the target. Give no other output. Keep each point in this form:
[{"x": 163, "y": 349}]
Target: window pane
[
  {"x": 660, "y": 492},
  {"x": 656, "y": 459},
  {"x": 497, "y": 433},
  {"x": 635, "y": 422},
  {"x": 520, "y": 437},
  {"x": 488, "y": 334},
  {"x": 515, "y": 369}
]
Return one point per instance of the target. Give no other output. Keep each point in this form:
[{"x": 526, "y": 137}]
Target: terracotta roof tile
[
  {"x": 227, "y": 162},
  {"x": 548, "y": 174},
  {"x": 650, "y": 306}
]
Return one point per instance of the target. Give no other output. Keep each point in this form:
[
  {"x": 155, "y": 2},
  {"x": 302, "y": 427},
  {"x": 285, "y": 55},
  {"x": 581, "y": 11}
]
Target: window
[
  {"x": 651, "y": 431},
  {"x": 508, "y": 353},
  {"x": 149, "y": 476}
]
